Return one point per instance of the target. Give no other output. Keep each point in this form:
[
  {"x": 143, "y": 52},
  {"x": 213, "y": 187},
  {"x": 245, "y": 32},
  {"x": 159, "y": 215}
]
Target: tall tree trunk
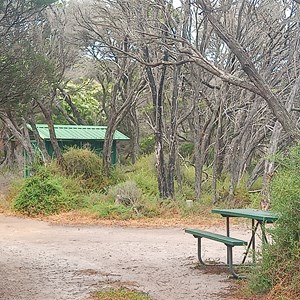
[
  {"x": 40, "y": 143},
  {"x": 173, "y": 129},
  {"x": 157, "y": 103},
  {"x": 216, "y": 154},
  {"x": 9, "y": 148},
  {"x": 47, "y": 115},
  {"x": 135, "y": 134},
  {"x": 159, "y": 144}
]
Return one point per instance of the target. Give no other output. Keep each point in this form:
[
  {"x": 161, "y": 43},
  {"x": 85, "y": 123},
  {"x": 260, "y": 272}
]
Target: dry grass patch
[
  {"x": 120, "y": 294},
  {"x": 85, "y": 218}
]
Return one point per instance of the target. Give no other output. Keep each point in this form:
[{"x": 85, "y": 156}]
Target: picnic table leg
[
  {"x": 263, "y": 233},
  {"x": 228, "y": 234},
  {"x": 254, "y": 228},
  {"x": 199, "y": 251},
  {"x": 230, "y": 262},
  {"x": 252, "y": 242}
]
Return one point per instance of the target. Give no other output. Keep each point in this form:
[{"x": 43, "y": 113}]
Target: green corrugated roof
[{"x": 77, "y": 132}]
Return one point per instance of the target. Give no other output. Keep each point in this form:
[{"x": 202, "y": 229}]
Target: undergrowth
[
  {"x": 279, "y": 272},
  {"x": 130, "y": 192},
  {"x": 45, "y": 194}
]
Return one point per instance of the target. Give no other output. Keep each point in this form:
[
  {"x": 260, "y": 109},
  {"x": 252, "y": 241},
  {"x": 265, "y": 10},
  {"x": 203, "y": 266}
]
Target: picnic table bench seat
[{"x": 230, "y": 242}]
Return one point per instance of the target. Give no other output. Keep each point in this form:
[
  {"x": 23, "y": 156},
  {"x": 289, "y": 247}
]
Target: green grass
[{"x": 120, "y": 294}]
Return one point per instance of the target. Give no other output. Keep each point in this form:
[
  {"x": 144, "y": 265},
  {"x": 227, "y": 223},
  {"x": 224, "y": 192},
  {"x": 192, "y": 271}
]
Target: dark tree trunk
[
  {"x": 9, "y": 148},
  {"x": 48, "y": 118},
  {"x": 157, "y": 103},
  {"x": 78, "y": 119},
  {"x": 17, "y": 133},
  {"x": 40, "y": 143}
]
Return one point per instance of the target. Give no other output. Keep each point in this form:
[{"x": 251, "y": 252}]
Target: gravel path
[{"x": 40, "y": 261}]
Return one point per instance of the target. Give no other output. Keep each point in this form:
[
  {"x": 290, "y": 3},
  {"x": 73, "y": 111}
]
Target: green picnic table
[{"x": 258, "y": 218}]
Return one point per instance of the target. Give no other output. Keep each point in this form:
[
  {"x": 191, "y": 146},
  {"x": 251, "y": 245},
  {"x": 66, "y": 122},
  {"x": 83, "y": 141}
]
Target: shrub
[
  {"x": 103, "y": 206},
  {"x": 44, "y": 194},
  {"x": 126, "y": 190},
  {"x": 85, "y": 165},
  {"x": 279, "y": 272}
]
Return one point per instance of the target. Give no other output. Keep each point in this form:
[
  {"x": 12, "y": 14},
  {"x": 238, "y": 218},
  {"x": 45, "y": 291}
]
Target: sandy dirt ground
[{"x": 42, "y": 261}]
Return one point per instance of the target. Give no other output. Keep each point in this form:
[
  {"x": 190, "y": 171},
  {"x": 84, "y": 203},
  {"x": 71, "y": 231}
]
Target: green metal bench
[{"x": 228, "y": 241}]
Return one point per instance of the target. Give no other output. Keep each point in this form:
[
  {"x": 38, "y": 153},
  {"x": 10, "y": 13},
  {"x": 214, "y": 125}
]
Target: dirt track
[{"x": 40, "y": 261}]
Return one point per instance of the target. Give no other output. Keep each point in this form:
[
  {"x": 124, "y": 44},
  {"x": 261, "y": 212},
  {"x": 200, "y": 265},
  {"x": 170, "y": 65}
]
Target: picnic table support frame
[
  {"x": 229, "y": 259},
  {"x": 252, "y": 240}
]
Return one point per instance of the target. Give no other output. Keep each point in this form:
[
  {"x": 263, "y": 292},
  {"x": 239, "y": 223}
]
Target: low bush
[
  {"x": 126, "y": 190},
  {"x": 85, "y": 165},
  {"x": 104, "y": 207},
  {"x": 44, "y": 194}
]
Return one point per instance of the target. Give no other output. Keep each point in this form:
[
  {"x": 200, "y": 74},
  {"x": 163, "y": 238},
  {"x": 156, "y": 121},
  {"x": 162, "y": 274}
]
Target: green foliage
[
  {"x": 121, "y": 294},
  {"x": 85, "y": 95},
  {"x": 147, "y": 145},
  {"x": 144, "y": 174},
  {"x": 280, "y": 268},
  {"x": 186, "y": 149},
  {"x": 45, "y": 194},
  {"x": 105, "y": 207},
  {"x": 119, "y": 174},
  {"x": 24, "y": 76},
  {"x": 86, "y": 165},
  {"x": 128, "y": 190}
]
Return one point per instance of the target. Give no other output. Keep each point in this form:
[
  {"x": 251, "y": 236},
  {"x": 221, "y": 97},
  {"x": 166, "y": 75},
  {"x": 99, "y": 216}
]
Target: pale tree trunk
[
  {"x": 240, "y": 148},
  {"x": 215, "y": 175},
  {"x": 116, "y": 116},
  {"x": 198, "y": 135},
  {"x": 135, "y": 134},
  {"x": 257, "y": 171},
  {"x": 173, "y": 130},
  {"x": 202, "y": 136},
  {"x": 159, "y": 144},
  {"x": 114, "y": 121}
]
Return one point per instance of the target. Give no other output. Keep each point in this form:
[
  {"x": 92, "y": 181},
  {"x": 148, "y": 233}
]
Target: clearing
[{"x": 44, "y": 261}]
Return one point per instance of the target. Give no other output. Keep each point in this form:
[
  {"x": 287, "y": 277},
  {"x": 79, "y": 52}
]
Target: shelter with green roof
[{"x": 79, "y": 136}]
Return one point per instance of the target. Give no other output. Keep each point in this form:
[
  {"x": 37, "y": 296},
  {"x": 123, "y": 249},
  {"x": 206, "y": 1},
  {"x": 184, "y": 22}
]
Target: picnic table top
[{"x": 256, "y": 214}]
